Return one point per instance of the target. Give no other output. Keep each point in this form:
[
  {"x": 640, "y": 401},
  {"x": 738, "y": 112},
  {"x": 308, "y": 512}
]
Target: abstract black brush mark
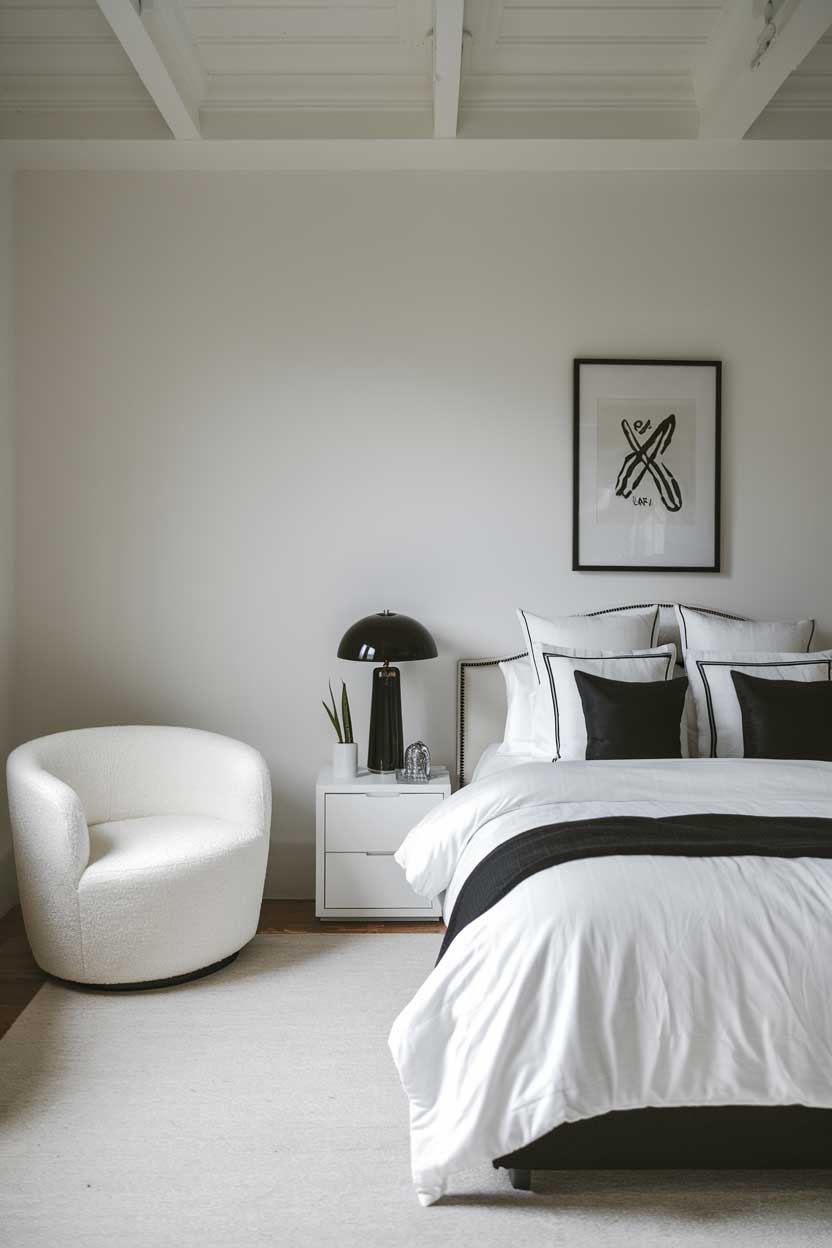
[{"x": 645, "y": 457}]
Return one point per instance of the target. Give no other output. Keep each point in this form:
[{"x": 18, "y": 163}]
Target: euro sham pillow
[
  {"x": 614, "y": 631},
  {"x": 520, "y": 687},
  {"x": 785, "y": 718},
  {"x": 718, "y": 715},
  {"x": 700, "y": 630},
  {"x": 559, "y": 727}
]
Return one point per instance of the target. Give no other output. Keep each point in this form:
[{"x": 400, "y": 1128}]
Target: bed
[{"x": 640, "y": 1006}]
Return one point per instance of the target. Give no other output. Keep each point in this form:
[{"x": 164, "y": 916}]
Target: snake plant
[{"x": 344, "y": 733}]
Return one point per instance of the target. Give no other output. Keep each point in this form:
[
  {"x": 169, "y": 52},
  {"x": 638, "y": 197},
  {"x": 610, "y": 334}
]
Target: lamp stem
[{"x": 385, "y": 751}]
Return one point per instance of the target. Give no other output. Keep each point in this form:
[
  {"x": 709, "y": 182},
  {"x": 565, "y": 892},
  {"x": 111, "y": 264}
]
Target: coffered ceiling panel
[
  {"x": 804, "y": 102},
  {"x": 304, "y": 63},
  {"x": 63, "y": 72},
  {"x": 600, "y": 58}
]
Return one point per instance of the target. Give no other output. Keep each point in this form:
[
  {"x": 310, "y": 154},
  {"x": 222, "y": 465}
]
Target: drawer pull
[
  {"x": 383, "y": 794},
  {"x": 379, "y": 853}
]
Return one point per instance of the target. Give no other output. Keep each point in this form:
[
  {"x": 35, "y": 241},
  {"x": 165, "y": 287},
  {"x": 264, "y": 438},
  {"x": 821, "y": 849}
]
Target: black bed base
[{"x": 721, "y": 1137}]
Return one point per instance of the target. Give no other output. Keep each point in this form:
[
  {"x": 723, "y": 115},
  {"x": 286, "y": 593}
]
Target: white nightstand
[{"x": 360, "y": 824}]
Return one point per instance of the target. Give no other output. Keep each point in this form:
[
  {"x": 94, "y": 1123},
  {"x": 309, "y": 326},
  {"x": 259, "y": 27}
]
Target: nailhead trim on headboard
[{"x": 463, "y": 664}]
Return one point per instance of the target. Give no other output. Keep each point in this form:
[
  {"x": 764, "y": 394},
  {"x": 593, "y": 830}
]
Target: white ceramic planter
[{"x": 344, "y": 761}]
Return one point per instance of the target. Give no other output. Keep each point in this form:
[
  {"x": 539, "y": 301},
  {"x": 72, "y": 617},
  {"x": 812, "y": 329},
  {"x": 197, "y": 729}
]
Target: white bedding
[
  {"x": 492, "y": 761},
  {"x": 620, "y": 982}
]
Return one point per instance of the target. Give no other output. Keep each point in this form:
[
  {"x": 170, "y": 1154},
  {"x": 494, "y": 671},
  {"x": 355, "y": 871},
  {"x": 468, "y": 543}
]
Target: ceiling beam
[
  {"x": 172, "y": 98},
  {"x": 731, "y": 94},
  {"x": 447, "y": 66},
  {"x": 165, "y": 22},
  {"x": 374, "y": 155}
]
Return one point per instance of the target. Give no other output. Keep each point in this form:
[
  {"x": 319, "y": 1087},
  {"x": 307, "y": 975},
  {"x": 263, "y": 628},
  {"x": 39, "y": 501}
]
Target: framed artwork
[{"x": 646, "y": 465}]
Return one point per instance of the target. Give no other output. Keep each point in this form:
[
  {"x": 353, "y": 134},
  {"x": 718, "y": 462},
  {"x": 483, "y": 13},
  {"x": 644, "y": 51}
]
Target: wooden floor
[
  {"x": 20, "y": 978},
  {"x": 299, "y": 916}
]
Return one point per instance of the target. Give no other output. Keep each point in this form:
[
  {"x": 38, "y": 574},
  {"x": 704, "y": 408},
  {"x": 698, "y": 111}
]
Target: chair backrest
[{"x": 133, "y": 771}]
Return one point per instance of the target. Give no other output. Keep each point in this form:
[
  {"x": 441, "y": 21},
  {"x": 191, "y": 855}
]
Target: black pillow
[
  {"x": 632, "y": 718},
  {"x": 785, "y": 718}
]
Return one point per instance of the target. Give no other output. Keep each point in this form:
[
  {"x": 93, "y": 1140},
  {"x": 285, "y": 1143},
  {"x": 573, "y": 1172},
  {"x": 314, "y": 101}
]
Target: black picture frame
[{"x": 617, "y": 362}]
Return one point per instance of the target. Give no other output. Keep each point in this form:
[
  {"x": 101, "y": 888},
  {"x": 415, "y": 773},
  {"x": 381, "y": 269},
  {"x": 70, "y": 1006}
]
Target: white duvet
[{"x": 621, "y": 982}]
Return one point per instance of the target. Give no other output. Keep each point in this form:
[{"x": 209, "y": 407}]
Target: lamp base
[{"x": 385, "y": 751}]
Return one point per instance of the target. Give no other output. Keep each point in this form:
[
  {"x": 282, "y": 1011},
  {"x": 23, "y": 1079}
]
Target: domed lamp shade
[{"x": 386, "y": 638}]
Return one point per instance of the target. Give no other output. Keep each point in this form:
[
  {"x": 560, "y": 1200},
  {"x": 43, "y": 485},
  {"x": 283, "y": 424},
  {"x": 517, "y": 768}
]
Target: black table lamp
[{"x": 386, "y": 638}]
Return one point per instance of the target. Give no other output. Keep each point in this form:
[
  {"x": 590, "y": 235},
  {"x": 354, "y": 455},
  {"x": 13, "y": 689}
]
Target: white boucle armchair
[{"x": 140, "y": 851}]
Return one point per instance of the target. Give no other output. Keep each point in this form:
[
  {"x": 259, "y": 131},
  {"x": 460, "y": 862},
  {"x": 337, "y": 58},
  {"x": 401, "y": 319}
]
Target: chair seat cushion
[{"x": 160, "y": 844}]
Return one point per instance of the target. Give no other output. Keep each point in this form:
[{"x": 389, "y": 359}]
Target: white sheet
[{"x": 615, "y": 983}]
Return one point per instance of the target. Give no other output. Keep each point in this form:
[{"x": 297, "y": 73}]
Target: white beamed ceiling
[{"x": 364, "y": 69}]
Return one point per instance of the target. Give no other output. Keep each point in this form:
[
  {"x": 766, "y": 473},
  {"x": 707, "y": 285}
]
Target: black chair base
[{"x": 145, "y": 985}]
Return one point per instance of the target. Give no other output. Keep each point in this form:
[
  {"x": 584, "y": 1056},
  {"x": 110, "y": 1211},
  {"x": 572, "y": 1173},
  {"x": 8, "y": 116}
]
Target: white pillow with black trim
[
  {"x": 635, "y": 629},
  {"x": 718, "y": 713},
  {"x": 558, "y": 724},
  {"x": 702, "y": 630},
  {"x": 520, "y": 688}
]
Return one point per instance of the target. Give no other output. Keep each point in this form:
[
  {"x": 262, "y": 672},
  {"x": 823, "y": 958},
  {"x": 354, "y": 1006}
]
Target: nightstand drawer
[
  {"x": 369, "y": 882},
  {"x": 363, "y": 821}
]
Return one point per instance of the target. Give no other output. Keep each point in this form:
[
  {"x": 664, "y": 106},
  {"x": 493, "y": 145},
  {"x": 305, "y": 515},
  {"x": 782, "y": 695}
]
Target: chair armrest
[{"x": 51, "y": 839}]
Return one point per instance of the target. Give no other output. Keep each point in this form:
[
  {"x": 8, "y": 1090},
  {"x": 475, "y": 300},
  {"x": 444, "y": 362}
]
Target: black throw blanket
[{"x": 685, "y": 836}]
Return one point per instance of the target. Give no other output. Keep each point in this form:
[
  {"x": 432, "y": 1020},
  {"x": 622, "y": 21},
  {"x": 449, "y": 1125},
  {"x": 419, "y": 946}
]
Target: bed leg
[{"x": 521, "y": 1180}]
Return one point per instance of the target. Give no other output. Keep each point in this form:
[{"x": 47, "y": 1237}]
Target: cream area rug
[{"x": 260, "y": 1107}]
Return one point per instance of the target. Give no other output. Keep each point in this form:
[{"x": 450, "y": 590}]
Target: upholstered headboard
[{"x": 481, "y": 695}]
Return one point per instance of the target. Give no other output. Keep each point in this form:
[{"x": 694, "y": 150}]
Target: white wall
[
  {"x": 253, "y": 407},
  {"x": 7, "y": 884}
]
